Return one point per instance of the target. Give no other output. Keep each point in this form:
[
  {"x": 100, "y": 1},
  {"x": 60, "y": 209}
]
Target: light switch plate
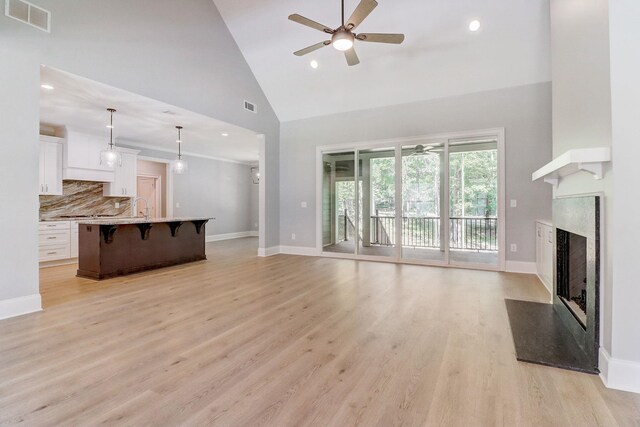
[
  {"x": 117, "y": 205},
  {"x": 177, "y": 205},
  {"x": 514, "y": 203},
  {"x": 303, "y": 204}
]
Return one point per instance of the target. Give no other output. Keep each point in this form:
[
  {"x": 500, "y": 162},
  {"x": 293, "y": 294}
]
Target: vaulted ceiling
[{"x": 439, "y": 58}]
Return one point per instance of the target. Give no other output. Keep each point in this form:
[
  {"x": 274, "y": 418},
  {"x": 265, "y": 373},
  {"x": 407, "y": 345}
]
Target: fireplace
[
  {"x": 571, "y": 261},
  {"x": 577, "y": 269}
]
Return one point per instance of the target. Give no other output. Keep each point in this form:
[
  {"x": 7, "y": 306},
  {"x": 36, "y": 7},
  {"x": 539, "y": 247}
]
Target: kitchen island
[{"x": 117, "y": 247}]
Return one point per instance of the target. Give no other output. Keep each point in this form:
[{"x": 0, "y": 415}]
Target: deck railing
[{"x": 466, "y": 233}]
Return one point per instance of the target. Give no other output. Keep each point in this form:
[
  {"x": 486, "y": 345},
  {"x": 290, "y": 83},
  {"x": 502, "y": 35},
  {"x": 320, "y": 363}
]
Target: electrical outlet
[
  {"x": 293, "y": 236},
  {"x": 514, "y": 203},
  {"x": 117, "y": 205},
  {"x": 255, "y": 224},
  {"x": 514, "y": 247},
  {"x": 303, "y": 204},
  {"x": 177, "y": 205}
]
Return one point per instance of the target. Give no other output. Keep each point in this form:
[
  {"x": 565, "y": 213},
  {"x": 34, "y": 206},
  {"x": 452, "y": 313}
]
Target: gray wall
[
  {"x": 582, "y": 108},
  {"x": 525, "y": 113},
  {"x": 180, "y": 53},
  {"x": 212, "y": 188},
  {"x": 625, "y": 112},
  {"x": 255, "y": 207},
  {"x": 596, "y": 103}
]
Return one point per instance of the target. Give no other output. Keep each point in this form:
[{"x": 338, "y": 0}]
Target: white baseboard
[
  {"x": 521, "y": 267},
  {"x": 298, "y": 250},
  {"x": 19, "y": 306},
  {"x": 619, "y": 374},
  {"x": 229, "y": 236},
  {"x": 264, "y": 252}
]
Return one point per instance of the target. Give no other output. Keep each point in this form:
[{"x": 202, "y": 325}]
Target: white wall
[
  {"x": 595, "y": 69},
  {"x": 525, "y": 113},
  {"x": 180, "y": 53}
]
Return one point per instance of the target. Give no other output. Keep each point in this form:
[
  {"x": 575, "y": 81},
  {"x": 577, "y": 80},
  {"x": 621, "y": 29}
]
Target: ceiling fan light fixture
[{"x": 342, "y": 40}]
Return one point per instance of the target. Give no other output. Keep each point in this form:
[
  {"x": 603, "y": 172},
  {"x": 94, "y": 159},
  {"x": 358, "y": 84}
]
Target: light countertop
[{"x": 138, "y": 220}]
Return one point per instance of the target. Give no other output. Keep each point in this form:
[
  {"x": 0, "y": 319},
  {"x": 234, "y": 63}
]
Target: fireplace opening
[{"x": 572, "y": 273}]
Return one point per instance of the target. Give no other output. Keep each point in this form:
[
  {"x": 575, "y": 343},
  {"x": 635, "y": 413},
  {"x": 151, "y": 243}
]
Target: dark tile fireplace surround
[{"x": 565, "y": 334}]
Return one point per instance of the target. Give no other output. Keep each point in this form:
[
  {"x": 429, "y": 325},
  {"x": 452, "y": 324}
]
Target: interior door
[{"x": 147, "y": 188}]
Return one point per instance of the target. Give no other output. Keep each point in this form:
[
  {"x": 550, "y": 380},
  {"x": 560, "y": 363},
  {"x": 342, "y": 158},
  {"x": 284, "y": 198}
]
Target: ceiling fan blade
[
  {"x": 309, "y": 23},
  {"x": 352, "y": 57},
  {"x": 362, "y": 11},
  {"x": 311, "y": 48},
  {"x": 381, "y": 38}
]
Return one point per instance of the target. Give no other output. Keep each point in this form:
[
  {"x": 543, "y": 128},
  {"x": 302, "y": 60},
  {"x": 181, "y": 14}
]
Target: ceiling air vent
[
  {"x": 250, "y": 106},
  {"x": 29, "y": 14}
]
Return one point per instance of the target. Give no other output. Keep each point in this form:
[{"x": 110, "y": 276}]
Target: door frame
[{"x": 493, "y": 133}]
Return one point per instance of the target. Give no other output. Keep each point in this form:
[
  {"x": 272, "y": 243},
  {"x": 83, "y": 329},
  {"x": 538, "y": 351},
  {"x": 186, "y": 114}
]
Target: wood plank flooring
[{"x": 287, "y": 341}]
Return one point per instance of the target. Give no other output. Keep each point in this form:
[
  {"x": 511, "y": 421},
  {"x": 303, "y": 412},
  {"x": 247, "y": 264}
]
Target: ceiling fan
[
  {"x": 420, "y": 150},
  {"x": 344, "y": 37}
]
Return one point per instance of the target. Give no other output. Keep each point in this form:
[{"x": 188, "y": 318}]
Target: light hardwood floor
[{"x": 287, "y": 341}]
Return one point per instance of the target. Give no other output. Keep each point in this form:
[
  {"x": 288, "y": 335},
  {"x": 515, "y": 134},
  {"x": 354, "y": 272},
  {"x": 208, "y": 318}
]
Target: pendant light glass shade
[
  {"x": 110, "y": 157},
  {"x": 179, "y": 166}
]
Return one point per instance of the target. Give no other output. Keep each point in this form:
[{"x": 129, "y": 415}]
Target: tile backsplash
[{"x": 82, "y": 198}]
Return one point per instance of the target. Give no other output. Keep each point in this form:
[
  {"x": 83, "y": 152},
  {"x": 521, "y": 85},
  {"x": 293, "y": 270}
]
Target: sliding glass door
[
  {"x": 339, "y": 202},
  {"x": 432, "y": 202},
  {"x": 423, "y": 202},
  {"x": 376, "y": 202},
  {"x": 473, "y": 202}
]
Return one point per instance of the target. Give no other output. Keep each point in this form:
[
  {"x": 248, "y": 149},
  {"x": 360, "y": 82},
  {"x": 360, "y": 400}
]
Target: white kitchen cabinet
[
  {"x": 545, "y": 256},
  {"x": 74, "y": 242},
  {"x": 54, "y": 243},
  {"x": 81, "y": 157},
  {"x": 50, "y": 172},
  {"x": 126, "y": 176}
]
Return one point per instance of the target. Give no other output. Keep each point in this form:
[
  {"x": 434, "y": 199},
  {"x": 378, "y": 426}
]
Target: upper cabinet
[
  {"x": 50, "y": 166},
  {"x": 81, "y": 158},
  {"x": 126, "y": 176}
]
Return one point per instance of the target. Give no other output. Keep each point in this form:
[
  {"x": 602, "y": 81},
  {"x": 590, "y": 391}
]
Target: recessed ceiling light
[
  {"x": 109, "y": 126},
  {"x": 46, "y": 86},
  {"x": 314, "y": 64},
  {"x": 224, "y": 134},
  {"x": 474, "y": 25}
]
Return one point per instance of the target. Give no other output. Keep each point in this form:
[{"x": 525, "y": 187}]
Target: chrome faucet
[{"x": 147, "y": 211}]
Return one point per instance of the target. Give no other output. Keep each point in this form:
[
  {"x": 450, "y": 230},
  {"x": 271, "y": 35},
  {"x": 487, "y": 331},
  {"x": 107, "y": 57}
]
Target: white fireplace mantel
[{"x": 583, "y": 159}]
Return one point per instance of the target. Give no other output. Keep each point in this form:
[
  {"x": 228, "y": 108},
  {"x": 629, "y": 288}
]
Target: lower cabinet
[
  {"x": 73, "y": 244},
  {"x": 58, "y": 240},
  {"x": 545, "y": 256}
]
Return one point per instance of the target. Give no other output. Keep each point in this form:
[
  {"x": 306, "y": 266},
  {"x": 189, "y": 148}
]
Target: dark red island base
[{"x": 110, "y": 248}]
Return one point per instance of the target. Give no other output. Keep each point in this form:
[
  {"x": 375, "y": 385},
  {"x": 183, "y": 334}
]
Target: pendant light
[
  {"x": 110, "y": 157},
  {"x": 179, "y": 166}
]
